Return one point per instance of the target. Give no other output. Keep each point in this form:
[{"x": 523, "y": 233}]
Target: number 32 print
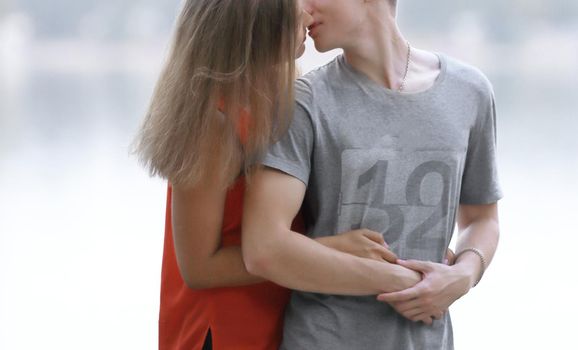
[{"x": 408, "y": 196}]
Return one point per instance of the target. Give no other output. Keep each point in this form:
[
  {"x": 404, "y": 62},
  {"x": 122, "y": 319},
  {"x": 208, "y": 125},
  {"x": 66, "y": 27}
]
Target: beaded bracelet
[{"x": 482, "y": 259}]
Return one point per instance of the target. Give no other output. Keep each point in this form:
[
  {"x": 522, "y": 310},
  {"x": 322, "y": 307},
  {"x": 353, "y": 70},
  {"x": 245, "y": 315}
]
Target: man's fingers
[
  {"x": 404, "y": 295},
  {"x": 438, "y": 315},
  {"x": 418, "y": 315},
  {"x": 405, "y": 306},
  {"x": 416, "y": 265},
  {"x": 414, "y": 314},
  {"x": 427, "y": 320}
]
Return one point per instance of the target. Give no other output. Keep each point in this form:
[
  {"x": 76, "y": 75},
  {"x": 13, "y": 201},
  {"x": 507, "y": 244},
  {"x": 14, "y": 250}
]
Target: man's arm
[
  {"x": 478, "y": 228},
  {"x": 197, "y": 217},
  {"x": 273, "y": 251}
]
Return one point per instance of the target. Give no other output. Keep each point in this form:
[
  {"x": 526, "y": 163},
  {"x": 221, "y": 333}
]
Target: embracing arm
[
  {"x": 197, "y": 216},
  {"x": 275, "y": 252}
]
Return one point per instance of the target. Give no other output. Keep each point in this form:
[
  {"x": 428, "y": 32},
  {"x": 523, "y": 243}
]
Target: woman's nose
[{"x": 307, "y": 18}]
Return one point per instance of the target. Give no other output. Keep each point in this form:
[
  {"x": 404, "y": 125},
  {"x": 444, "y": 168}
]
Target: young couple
[{"x": 343, "y": 187}]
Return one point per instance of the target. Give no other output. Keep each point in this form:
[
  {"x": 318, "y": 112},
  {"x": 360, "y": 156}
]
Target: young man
[{"x": 389, "y": 138}]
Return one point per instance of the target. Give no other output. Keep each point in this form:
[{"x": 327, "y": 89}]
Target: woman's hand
[
  {"x": 429, "y": 299},
  {"x": 362, "y": 243}
]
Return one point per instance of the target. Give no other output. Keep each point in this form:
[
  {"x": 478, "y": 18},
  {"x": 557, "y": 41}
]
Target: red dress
[{"x": 239, "y": 318}]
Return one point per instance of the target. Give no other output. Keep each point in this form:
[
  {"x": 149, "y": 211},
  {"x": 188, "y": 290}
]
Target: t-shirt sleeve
[
  {"x": 480, "y": 183},
  {"x": 292, "y": 153}
]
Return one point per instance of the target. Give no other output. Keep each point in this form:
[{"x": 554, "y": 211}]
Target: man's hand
[
  {"x": 429, "y": 299},
  {"x": 450, "y": 258}
]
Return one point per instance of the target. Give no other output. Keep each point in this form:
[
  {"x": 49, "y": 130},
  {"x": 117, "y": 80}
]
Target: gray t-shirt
[{"x": 394, "y": 163}]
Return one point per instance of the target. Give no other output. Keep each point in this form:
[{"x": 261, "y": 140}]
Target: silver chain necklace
[{"x": 402, "y": 85}]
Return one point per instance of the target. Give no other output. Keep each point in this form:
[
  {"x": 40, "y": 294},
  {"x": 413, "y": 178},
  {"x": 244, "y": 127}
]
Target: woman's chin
[{"x": 300, "y": 51}]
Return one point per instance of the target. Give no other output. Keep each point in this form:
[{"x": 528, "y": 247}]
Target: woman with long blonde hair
[{"x": 225, "y": 94}]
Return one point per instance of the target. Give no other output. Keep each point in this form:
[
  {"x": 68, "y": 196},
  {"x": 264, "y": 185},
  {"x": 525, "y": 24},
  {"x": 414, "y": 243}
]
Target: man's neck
[{"x": 381, "y": 54}]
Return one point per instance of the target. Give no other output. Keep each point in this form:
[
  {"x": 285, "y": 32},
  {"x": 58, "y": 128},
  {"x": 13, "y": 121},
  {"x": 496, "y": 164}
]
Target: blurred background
[{"x": 81, "y": 224}]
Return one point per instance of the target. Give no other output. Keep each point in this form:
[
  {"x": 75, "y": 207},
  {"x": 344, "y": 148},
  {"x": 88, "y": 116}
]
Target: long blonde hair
[{"x": 237, "y": 54}]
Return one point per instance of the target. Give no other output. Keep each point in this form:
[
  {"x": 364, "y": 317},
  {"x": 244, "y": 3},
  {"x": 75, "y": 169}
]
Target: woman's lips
[{"x": 312, "y": 29}]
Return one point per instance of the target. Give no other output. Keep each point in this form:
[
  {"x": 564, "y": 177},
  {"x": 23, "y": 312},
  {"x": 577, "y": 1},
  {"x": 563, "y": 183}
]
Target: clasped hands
[{"x": 440, "y": 286}]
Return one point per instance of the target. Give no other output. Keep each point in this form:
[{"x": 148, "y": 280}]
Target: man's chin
[{"x": 322, "y": 48}]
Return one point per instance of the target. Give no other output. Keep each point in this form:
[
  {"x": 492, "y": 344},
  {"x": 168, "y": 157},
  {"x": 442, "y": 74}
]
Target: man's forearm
[
  {"x": 224, "y": 269},
  {"x": 298, "y": 262},
  {"x": 483, "y": 235}
]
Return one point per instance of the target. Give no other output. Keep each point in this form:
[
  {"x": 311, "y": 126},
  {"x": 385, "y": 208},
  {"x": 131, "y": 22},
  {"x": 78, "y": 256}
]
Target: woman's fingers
[
  {"x": 381, "y": 246},
  {"x": 387, "y": 254},
  {"x": 380, "y": 253},
  {"x": 375, "y": 236}
]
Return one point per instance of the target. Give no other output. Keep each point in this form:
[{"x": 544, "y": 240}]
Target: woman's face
[
  {"x": 304, "y": 21},
  {"x": 336, "y": 23}
]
